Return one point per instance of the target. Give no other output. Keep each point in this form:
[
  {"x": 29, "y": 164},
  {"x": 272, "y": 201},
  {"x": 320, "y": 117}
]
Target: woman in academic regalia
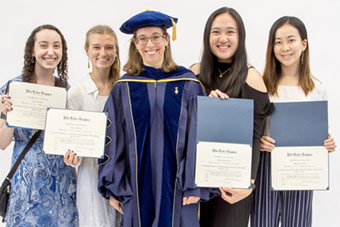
[{"x": 148, "y": 169}]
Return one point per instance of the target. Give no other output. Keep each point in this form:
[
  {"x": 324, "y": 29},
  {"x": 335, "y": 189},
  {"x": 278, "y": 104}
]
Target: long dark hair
[
  {"x": 238, "y": 72},
  {"x": 28, "y": 74},
  {"x": 272, "y": 71}
]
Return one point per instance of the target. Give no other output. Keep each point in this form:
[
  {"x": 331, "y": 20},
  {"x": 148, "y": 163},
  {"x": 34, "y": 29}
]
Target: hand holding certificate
[
  {"x": 299, "y": 160},
  {"x": 224, "y": 134},
  {"x": 30, "y": 102},
  {"x": 80, "y": 131}
]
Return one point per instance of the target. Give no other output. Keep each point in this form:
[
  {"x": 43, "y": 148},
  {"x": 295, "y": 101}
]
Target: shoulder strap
[
  {"x": 7, "y": 87},
  {"x": 23, "y": 153}
]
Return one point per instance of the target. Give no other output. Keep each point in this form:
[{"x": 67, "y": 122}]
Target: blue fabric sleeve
[
  {"x": 187, "y": 164},
  {"x": 113, "y": 168}
]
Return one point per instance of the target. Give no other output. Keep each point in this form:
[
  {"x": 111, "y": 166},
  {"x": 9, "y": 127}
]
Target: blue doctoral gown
[{"x": 150, "y": 152}]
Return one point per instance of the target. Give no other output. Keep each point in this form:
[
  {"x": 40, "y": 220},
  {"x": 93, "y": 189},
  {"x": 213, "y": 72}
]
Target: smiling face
[
  {"x": 47, "y": 49},
  {"x": 288, "y": 45},
  {"x": 101, "y": 51},
  {"x": 151, "y": 51},
  {"x": 224, "y": 37}
]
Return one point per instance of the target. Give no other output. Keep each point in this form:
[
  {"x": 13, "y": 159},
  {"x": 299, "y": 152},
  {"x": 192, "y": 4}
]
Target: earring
[
  {"x": 302, "y": 57},
  {"x": 137, "y": 50},
  {"x": 115, "y": 66},
  {"x": 88, "y": 63},
  {"x": 33, "y": 60}
]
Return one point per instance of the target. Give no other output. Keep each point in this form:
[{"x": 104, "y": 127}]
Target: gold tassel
[{"x": 173, "y": 29}]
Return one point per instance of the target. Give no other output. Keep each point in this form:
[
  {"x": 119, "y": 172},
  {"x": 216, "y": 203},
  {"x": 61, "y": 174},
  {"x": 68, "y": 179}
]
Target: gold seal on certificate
[
  {"x": 30, "y": 102},
  {"x": 80, "y": 131},
  {"x": 223, "y": 164}
]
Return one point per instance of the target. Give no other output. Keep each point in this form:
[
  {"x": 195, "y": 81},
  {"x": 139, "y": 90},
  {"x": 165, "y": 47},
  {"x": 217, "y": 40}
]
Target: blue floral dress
[{"x": 43, "y": 187}]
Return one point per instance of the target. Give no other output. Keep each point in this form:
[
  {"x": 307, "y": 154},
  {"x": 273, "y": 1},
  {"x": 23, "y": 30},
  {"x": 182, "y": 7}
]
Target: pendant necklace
[{"x": 222, "y": 73}]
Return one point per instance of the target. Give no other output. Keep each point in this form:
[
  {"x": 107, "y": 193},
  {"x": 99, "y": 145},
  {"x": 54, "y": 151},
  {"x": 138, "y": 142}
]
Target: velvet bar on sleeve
[
  {"x": 187, "y": 166},
  {"x": 151, "y": 146},
  {"x": 118, "y": 180}
]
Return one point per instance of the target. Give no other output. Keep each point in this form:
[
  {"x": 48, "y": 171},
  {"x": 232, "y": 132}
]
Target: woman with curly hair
[{"x": 43, "y": 187}]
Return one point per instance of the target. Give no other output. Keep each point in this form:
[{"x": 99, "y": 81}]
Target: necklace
[{"x": 222, "y": 73}]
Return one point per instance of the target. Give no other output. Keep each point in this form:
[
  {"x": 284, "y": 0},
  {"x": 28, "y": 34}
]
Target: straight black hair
[{"x": 238, "y": 72}]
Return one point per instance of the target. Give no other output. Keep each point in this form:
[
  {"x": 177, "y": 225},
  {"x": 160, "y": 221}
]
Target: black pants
[{"x": 219, "y": 213}]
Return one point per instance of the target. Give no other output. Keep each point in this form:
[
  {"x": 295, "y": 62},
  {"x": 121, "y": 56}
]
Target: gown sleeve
[
  {"x": 188, "y": 162},
  {"x": 262, "y": 109},
  {"x": 113, "y": 172}
]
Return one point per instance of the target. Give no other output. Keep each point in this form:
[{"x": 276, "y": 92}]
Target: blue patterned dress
[{"x": 43, "y": 187}]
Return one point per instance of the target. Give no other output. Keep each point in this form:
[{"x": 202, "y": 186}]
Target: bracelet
[{"x": 74, "y": 166}]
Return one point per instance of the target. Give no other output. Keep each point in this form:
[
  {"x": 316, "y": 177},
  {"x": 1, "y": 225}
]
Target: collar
[
  {"x": 90, "y": 86},
  {"x": 159, "y": 74}
]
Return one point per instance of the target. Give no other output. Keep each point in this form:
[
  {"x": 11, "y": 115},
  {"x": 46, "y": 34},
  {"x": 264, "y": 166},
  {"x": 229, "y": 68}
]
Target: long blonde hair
[{"x": 104, "y": 29}]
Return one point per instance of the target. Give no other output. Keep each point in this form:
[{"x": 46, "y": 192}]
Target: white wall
[{"x": 74, "y": 18}]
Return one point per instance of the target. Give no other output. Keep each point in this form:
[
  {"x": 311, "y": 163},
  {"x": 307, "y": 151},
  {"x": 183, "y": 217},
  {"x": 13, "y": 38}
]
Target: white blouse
[
  {"x": 295, "y": 93},
  {"x": 93, "y": 209}
]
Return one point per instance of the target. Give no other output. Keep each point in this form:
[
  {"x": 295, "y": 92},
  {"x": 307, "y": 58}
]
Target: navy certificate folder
[
  {"x": 225, "y": 121},
  {"x": 299, "y": 123}
]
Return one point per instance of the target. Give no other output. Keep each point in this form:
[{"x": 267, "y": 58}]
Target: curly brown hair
[{"x": 28, "y": 74}]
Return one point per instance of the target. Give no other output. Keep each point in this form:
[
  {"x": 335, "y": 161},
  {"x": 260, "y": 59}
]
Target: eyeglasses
[{"x": 155, "y": 39}]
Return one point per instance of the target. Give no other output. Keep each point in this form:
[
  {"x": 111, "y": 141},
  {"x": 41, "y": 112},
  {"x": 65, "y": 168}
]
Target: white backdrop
[{"x": 19, "y": 17}]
